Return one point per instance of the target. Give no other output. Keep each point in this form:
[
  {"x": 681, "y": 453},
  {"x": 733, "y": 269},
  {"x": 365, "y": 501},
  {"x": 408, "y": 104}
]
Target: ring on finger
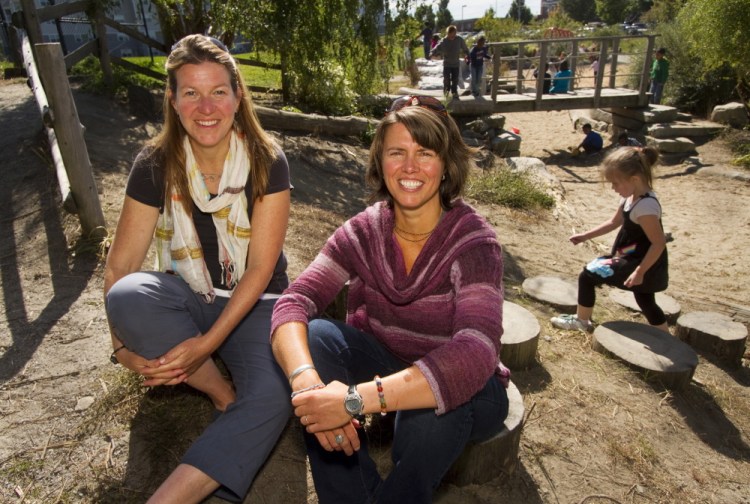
[
  {"x": 304, "y": 420},
  {"x": 339, "y": 439}
]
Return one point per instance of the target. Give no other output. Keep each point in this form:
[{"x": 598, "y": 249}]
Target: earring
[{"x": 443, "y": 177}]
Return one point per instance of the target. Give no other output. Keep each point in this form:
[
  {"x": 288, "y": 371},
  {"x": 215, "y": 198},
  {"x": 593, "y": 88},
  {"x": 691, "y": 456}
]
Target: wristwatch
[
  {"x": 353, "y": 404},
  {"x": 113, "y": 356}
]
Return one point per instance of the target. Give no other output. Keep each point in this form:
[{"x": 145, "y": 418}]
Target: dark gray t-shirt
[{"x": 146, "y": 185}]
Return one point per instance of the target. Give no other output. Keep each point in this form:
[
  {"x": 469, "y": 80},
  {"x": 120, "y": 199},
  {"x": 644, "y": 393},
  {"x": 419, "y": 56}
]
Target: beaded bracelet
[
  {"x": 307, "y": 389},
  {"x": 381, "y": 396}
]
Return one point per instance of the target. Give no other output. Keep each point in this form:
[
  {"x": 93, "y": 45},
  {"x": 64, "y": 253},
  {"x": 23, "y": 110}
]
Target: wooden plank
[
  {"x": 133, "y": 33},
  {"x": 139, "y": 69},
  {"x": 69, "y": 134},
  {"x": 35, "y": 83},
  {"x": 57, "y": 11},
  {"x": 31, "y": 23},
  {"x": 257, "y": 63},
  {"x": 90, "y": 47}
]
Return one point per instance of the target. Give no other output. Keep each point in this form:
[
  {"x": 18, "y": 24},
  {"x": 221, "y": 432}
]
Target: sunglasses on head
[
  {"x": 218, "y": 43},
  {"x": 428, "y": 102}
]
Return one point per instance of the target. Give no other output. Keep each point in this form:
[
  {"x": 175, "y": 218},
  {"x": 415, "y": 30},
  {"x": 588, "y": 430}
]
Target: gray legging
[{"x": 152, "y": 312}]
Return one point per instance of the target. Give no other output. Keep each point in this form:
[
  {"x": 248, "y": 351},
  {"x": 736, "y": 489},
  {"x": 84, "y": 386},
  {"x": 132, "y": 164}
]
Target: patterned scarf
[{"x": 177, "y": 244}]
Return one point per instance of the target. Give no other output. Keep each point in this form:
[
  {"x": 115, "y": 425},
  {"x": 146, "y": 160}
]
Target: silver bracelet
[
  {"x": 307, "y": 389},
  {"x": 299, "y": 371}
]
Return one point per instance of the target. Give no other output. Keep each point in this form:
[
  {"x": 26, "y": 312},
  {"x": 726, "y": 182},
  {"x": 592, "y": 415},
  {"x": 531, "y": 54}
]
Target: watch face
[{"x": 353, "y": 405}]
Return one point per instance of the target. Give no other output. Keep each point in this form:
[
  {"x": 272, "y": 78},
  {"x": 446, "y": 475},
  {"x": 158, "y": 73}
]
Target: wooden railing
[{"x": 608, "y": 53}]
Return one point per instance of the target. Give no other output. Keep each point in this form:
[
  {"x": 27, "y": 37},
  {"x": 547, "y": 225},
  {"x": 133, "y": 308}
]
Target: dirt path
[{"x": 597, "y": 428}]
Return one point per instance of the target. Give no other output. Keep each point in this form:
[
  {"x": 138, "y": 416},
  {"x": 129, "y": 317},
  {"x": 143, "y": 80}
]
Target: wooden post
[
  {"x": 613, "y": 66},
  {"x": 599, "y": 79},
  {"x": 31, "y": 23},
  {"x": 573, "y": 57},
  {"x": 540, "y": 73},
  {"x": 519, "y": 70},
  {"x": 101, "y": 36},
  {"x": 69, "y": 132},
  {"x": 646, "y": 73},
  {"x": 495, "y": 73},
  {"x": 35, "y": 83}
]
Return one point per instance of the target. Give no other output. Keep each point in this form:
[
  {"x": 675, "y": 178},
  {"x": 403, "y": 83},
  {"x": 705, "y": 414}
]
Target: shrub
[{"x": 503, "y": 186}]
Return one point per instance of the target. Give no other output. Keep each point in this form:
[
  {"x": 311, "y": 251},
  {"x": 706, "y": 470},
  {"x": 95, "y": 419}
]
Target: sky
[{"x": 477, "y": 8}]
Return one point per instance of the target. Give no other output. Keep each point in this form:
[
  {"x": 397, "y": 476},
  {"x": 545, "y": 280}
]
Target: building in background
[
  {"x": 75, "y": 30},
  {"x": 548, "y": 6}
]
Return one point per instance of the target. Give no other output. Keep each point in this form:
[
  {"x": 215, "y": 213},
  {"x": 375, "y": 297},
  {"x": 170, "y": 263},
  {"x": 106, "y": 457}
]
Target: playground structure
[{"x": 511, "y": 89}]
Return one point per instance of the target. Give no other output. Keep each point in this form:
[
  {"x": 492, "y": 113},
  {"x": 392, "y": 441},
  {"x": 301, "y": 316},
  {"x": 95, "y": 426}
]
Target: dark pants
[
  {"x": 425, "y": 445},
  {"x": 450, "y": 79},
  {"x": 152, "y": 312},
  {"x": 588, "y": 282}
]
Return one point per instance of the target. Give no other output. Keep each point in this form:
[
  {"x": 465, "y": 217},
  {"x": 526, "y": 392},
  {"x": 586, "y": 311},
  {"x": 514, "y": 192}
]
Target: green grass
[
  {"x": 739, "y": 142},
  {"x": 502, "y": 186},
  {"x": 253, "y": 75}
]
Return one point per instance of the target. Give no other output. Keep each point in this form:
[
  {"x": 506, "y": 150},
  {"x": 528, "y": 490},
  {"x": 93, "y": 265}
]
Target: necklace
[
  {"x": 413, "y": 234},
  {"x": 424, "y": 236}
]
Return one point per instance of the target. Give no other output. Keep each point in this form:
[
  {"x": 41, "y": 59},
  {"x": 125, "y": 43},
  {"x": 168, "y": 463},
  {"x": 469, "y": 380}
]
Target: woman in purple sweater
[{"x": 424, "y": 320}]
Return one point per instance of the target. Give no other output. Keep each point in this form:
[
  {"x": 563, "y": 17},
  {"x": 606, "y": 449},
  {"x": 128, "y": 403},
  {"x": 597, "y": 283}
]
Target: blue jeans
[
  {"x": 476, "y": 80},
  {"x": 450, "y": 79},
  {"x": 425, "y": 445},
  {"x": 657, "y": 88}
]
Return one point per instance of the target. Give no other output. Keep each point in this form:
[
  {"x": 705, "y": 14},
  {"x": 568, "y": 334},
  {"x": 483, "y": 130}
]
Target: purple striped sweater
[{"x": 445, "y": 316}]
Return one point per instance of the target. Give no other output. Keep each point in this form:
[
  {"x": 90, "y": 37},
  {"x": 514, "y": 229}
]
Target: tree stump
[
  {"x": 553, "y": 291},
  {"x": 653, "y": 351},
  {"x": 668, "y": 304},
  {"x": 520, "y": 337},
  {"x": 482, "y": 462},
  {"x": 714, "y": 333}
]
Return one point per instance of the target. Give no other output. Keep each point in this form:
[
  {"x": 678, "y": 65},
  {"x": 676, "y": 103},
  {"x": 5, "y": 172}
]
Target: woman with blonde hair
[{"x": 213, "y": 190}]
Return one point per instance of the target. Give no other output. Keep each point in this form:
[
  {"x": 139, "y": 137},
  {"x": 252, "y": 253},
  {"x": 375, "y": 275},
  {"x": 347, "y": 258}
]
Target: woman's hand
[
  {"x": 343, "y": 439},
  {"x": 178, "y": 364},
  {"x": 322, "y": 409},
  {"x": 138, "y": 364}
]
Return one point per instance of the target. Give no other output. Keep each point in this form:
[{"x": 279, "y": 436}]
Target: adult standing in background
[
  {"x": 659, "y": 75},
  {"x": 477, "y": 55},
  {"x": 427, "y": 40},
  {"x": 452, "y": 47}
]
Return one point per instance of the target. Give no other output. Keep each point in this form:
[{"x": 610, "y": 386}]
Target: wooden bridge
[{"x": 513, "y": 91}]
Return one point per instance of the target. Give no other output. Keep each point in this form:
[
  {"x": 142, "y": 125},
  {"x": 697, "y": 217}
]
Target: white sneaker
[{"x": 571, "y": 323}]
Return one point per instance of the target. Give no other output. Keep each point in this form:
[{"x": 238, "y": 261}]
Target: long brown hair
[{"x": 261, "y": 148}]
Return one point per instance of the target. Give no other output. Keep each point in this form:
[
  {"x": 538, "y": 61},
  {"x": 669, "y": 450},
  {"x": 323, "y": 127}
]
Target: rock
[
  {"x": 84, "y": 403},
  {"x": 650, "y": 115},
  {"x": 478, "y": 126},
  {"x": 505, "y": 142},
  {"x": 733, "y": 114},
  {"x": 625, "y": 122},
  {"x": 534, "y": 167},
  {"x": 683, "y": 129},
  {"x": 472, "y": 142},
  {"x": 672, "y": 145},
  {"x": 496, "y": 121}
]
